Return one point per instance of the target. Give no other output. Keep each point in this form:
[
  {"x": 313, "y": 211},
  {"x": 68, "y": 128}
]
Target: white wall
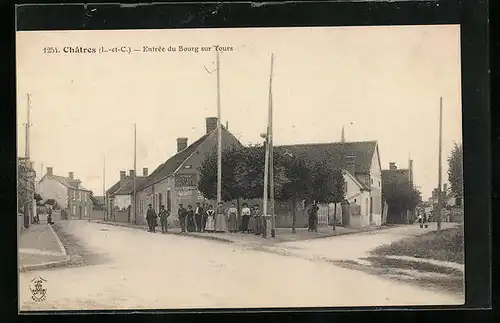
[
  {"x": 122, "y": 201},
  {"x": 50, "y": 188}
]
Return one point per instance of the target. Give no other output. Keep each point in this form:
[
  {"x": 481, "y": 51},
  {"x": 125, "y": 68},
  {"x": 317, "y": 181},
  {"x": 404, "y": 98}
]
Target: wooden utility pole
[
  {"x": 270, "y": 143},
  {"x": 28, "y": 123},
  {"x": 104, "y": 188},
  {"x": 438, "y": 209},
  {"x": 134, "y": 196},
  {"x": 219, "y": 137}
]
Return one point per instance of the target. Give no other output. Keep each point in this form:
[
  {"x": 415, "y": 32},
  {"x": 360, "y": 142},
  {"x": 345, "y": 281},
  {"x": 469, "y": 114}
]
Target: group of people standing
[{"x": 207, "y": 219}]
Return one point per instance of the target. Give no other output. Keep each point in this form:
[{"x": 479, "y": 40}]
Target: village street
[{"x": 126, "y": 268}]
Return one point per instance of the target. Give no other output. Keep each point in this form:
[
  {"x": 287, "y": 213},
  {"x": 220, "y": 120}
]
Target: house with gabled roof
[
  {"x": 175, "y": 181},
  {"x": 119, "y": 195},
  {"x": 360, "y": 165},
  {"x": 68, "y": 192}
]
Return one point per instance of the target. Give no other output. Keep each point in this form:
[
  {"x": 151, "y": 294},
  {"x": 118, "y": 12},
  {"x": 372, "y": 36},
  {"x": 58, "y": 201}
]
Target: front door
[
  {"x": 160, "y": 199},
  {"x": 169, "y": 201},
  {"x": 371, "y": 210},
  {"x": 80, "y": 212}
]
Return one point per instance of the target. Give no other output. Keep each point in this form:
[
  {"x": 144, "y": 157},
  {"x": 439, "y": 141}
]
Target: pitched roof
[
  {"x": 401, "y": 175},
  {"x": 127, "y": 186},
  {"x": 66, "y": 181},
  {"x": 335, "y": 153},
  {"x": 170, "y": 166}
]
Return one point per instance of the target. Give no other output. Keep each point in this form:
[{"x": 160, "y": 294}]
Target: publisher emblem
[{"x": 38, "y": 293}]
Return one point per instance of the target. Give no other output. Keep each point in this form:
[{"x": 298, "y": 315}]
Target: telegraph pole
[
  {"x": 440, "y": 162},
  {"x": 219, "y": 137},
  {"x": 135, "y": 175},
  {"x": 270, "y": 143},
  {"x": 104, "y": 188}
]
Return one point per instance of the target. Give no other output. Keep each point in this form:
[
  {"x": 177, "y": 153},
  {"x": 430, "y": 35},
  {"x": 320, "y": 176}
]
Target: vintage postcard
[{"x": 240, "y": 168}]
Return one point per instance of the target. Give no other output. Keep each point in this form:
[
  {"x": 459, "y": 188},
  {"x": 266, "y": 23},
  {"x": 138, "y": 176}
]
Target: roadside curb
[
  {"x": 51, "y": 264},
  {"x": 45, "y": 265},
  {"x": 171, "y": 233},
  {"x": 59, "y": 243},
  {"x": 220, "y": 239}
]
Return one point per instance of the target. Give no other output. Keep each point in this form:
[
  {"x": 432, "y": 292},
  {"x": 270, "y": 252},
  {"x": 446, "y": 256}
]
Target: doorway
[
  {"x": 169, "y": 201},
  {"x": 371, "y": 209},
  {"x": 80, "y": 211},
  {"x": 160, "y": 199}
]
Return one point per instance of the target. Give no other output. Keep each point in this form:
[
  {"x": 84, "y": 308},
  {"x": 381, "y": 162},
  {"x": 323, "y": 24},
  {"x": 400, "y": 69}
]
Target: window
[
  {"x": 372, "y": 181},
  {"x": 74, "y": 210},
  {"x": 378, "y": 183}
]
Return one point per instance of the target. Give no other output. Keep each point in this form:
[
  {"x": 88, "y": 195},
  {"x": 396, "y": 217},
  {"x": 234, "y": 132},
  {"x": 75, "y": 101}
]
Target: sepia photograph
[{"x": 230, "y": 168}]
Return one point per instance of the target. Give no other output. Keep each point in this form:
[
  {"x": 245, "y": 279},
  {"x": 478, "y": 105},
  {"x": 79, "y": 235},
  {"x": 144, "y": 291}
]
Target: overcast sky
[{"x": 382, "y": 83}]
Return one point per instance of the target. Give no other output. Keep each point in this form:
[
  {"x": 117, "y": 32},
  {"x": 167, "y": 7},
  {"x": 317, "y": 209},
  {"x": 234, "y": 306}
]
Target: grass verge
[{"x": 448, "y": 245}]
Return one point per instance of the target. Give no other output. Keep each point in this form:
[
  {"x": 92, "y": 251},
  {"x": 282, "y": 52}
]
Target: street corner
[{"x": 37, "y": 262}]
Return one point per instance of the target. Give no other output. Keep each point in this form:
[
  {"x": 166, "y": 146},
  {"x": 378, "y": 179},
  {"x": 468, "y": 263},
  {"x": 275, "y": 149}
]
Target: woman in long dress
[
  {"x": 210, "y": 219},
  {"x": 232, "y": 218},
  {"x": 220, "y": 219},
  {"x": 251, "y": 221},
  {"x": 257, "y": 221},
  {"x": 191, "y": 227}
]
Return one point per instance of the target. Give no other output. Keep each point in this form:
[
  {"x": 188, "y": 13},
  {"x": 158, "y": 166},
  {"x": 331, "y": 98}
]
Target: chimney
[
  {"x": 145, "y": 171},
  {"x": 71, "y": 175},
  {"x": 392, "y": 166},
  {"x": 132, "y": 173},
  {"x": 182, "y": 144},
  {"x": 211, "y": 124},
  {"x": 49, "y": 171},
  {"x": 122, "y": 175},
  {"x": 350, "y": 164},
  {"x": 227, "y": 125}
]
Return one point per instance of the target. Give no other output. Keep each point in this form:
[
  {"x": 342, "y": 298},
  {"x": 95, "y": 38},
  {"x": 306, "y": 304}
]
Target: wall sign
[{"x": 185, "y": 181}]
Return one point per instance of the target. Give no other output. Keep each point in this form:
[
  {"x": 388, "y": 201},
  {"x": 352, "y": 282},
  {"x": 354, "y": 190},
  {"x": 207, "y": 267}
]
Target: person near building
[
  {"x": 164, "y": 214},
  {"x": 313, "y": 218},
  {"x": 245, "y": 217},
  {"x": 191, "y": 226},
  {"x": 198, "y": 217},
  {"x": 257, "y": 221},
  {"x": 232, "y": 219},
  {"x": 182, "y": 213},
  {"x": 210, "y": 219},
  {"x": 220, "y": 219},
  {"x": 151, "y": 218},
  {"x": 49, "y": 215}
]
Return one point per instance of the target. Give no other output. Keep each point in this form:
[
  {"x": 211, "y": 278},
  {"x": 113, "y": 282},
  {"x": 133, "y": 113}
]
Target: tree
[
  {"x": 455, "y": 170},
  {"x": 295, "y": 183},
  {"x": 37, "y": 198},
  {"x": 326, "y": 185},
  {"x": 400, "y": 195},
  {"x": 231, "y": 189}
]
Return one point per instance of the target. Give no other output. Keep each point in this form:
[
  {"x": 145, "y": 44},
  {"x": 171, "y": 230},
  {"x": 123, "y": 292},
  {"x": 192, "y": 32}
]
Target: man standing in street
[
  {"x": 164, "y": 219},
  {"x": 198, "y": 215},
  {"x": 182, "y": 213},
  {"x": 151, "y": 218}
]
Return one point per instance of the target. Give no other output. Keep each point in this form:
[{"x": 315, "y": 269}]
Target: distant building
[
  {"x": 67, "y": 192},
  {"x": 119, "y": 195},
  {"x": 403, "y": 176}
]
